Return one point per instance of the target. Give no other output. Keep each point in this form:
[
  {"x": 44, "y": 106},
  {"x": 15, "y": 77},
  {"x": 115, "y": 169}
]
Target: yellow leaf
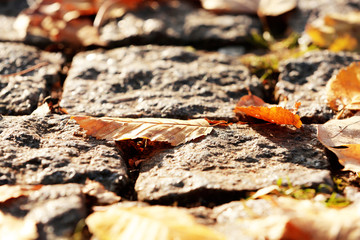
[
  {"x": 172, "y": 131},
  {"x": 147, "y": 223},
  {"x": 343, "y": 138},
  {"x": 338, "y": 32},
  {"x": 343, "y": 90}
]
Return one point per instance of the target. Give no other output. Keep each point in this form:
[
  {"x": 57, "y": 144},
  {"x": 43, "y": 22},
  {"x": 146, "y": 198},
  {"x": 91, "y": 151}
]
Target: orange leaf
[
  {"x": 275, "y": 114},
  {"x": 343, "y": 90},
  {"x": 256, "y": 107}
]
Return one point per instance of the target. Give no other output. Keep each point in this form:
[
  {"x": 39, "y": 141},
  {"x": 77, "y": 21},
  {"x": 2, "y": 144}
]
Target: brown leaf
[
  {"x": 343, "y": 90},
  {"x": 259, "y": 110},
  {"x": 172, "y": 131},
  {"x": 343, "y": 138},
  {"x": 250, "y": 100}
]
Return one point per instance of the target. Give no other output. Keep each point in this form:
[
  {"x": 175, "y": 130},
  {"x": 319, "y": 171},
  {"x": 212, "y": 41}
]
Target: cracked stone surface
[
  {"x": 177, "y": 22},
  {"x": 234, "y": 159},
  {"x": 304, "y": 79},
  {"x": 44, "y": 150},
  {"x": 20, "y": 94},
  {"x": 156, "y": 81}
]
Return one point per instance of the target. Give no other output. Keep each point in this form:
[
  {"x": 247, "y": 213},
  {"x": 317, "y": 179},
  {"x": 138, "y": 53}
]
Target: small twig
[{"x": 39, "y": 65}]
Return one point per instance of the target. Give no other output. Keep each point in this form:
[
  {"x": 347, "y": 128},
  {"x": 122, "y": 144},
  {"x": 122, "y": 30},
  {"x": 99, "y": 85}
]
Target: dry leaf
[
  {"x": 15, "y": 228},
  {"x": 172, "y": 131},
  {"x": 143, "y": 223},
  {"x": 305, "y": 219},
  {"x": 271, "y": 114},
  {"x": 337, "y": 32},
  {"x": 15, "y": 191},
  {"x": 262, "y": 7},
  {"x": 343, "y": 89},
  {"x": 343, "y": 138}
]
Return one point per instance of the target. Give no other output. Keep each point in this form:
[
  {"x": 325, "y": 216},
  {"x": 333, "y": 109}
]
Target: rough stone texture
[
  {"x": 9, "y": 9},
  {"x": 44, "y": 150},
  {"x": 177, "y": 22},
  {"x": 20, "y": 94},
  {"x": 234, "y": 159},
  {"x": 156, "y": 81},
  {"x": 55, "y": 209},
  {"x": 304, "y": 79}
]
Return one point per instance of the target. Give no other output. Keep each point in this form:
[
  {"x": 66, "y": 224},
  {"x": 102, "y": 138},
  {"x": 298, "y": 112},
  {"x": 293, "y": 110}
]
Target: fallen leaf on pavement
[
  {"x": 255, "y": 107},
  {"x": 172, "y": 131},
  {"x": 305, "y": 219},
  {"x": 15, "y": 191},
  {"x": 155, "y": 222},
  {"x": 343, "y": 89},
  {"x": 337, "y": 32},
  {"x": 343, "y": 138}
]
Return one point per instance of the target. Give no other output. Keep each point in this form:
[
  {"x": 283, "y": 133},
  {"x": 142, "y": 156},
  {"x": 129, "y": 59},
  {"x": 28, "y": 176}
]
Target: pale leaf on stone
[
  {"x": 172, "y": 131},
  {"x": 155, "y": 222},
  {"x": 343, "y": 137}
]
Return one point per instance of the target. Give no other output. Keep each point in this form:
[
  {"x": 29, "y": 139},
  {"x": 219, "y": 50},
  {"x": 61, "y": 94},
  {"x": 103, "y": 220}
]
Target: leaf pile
[
  {"x": 71, "y": 21},
  {"x": 255, "y": 107}
]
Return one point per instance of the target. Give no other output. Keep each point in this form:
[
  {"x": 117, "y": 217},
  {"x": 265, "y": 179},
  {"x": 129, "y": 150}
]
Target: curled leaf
[
  {"x": 343, "y": 89},
  {"x": 172, "y": 131},
  {"x": 260, "y": 110},
  {"x": 343, "y": 138},
  {"x": 156, "y": 222}
]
